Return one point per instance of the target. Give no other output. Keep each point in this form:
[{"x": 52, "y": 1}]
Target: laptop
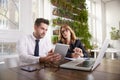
[
  {"x": 87, "y": 64},
  {"x": 61, "y": 49}
]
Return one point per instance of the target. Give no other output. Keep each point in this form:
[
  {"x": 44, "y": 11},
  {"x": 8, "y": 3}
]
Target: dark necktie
[{"x": 36, "y": 51}]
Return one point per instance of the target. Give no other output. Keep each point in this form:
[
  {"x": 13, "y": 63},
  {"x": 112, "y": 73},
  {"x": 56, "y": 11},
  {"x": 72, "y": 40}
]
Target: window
[
  {"x": 9, "y": 14},
  {"x": 35, "y": 9},
  {"x": 7, "y": 48},
  {"x": 9, "y": 26},
  {"x": 91, "y": 6}
]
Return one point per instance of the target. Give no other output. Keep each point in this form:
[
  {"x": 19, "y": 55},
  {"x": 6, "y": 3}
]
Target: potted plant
[
  {"x": 115, "y": 33},
  {"x": 115, "y": 37},
  {"x": 54, "y": 39}
]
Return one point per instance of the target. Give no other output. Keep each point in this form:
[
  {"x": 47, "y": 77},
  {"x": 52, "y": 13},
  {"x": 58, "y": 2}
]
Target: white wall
[
  {"x": 100, "y": 22},
  {"x": 48, "y": 15},
  {"x": 25, "y": 16},
  {"x": 104, "y": 28},
  {"x": 112, "y": 15}
]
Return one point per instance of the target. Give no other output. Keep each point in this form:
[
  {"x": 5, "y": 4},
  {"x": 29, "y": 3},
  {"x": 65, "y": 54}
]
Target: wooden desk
[
  {"x": 8, "y": 74},
  {"x": 107, "y": 70}
]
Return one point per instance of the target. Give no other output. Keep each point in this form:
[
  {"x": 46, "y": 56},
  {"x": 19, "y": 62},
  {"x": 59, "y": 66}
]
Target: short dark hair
[{"x": 38, "y": 21}]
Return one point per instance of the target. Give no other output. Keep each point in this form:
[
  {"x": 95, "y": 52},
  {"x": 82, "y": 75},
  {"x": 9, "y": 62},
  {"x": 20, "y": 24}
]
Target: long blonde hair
[{"x": 72, "y": 37}]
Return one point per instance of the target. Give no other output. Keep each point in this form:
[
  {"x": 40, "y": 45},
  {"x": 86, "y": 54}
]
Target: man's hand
[
  {"x": 77, "y": 53},
  {"x": 51, "y": 57}
]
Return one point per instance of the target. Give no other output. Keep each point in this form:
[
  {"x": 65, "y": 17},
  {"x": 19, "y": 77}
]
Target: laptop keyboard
[{"x": 86, "y": 63}]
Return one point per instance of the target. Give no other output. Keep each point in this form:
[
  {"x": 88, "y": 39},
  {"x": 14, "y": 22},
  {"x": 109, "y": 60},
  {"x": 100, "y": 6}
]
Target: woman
[{"x": 67, "y": 36}]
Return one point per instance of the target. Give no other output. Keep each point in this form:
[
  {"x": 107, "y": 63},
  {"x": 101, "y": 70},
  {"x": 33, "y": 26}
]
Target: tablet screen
[{"x": 61, "y": 49}]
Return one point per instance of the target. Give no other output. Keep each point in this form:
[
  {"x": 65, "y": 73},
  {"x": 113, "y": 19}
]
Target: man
[{"x": 36, "y": 47}]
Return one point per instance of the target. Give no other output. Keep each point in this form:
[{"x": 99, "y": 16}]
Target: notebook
[{"x": 87, "y": 64}]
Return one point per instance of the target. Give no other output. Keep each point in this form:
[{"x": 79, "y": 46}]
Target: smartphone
[{"x": 28, "y": 68}]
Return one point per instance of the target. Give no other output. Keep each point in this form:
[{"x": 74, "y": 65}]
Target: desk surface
[{"x": 107, "y": 70}]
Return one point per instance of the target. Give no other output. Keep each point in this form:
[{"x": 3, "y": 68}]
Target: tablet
[{"x": 61, "y": 49}]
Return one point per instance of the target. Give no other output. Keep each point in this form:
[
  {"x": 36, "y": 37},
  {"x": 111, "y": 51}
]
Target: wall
[
  {"x": 25, "y": 19},
  {"x": 112, "y": 15},
  {"x": 48, "y": 15},
  {"x": 100, "y": 22}
]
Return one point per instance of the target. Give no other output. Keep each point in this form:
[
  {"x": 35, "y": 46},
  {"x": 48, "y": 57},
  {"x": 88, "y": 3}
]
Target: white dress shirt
[{"x": 26, "y": 46}]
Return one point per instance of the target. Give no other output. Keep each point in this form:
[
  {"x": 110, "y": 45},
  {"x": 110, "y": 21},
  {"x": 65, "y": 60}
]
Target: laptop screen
[{"x": 101, "y": 53}]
